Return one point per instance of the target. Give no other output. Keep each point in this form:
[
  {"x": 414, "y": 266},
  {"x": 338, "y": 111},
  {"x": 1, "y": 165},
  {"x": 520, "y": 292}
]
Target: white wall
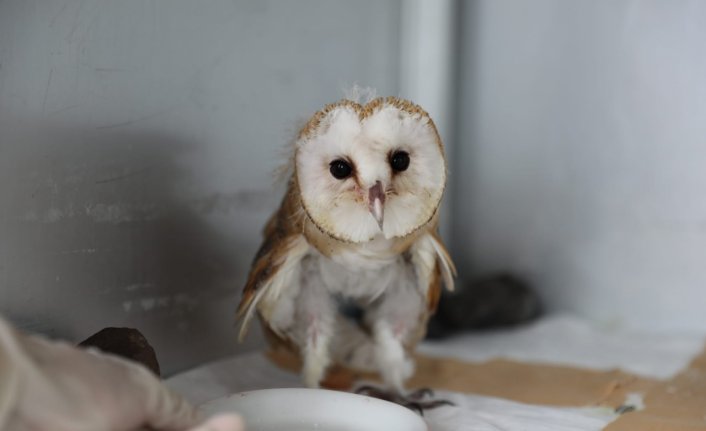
[
  {"x": 583, "y": 154},
  {"x": 137, "y": 196}
]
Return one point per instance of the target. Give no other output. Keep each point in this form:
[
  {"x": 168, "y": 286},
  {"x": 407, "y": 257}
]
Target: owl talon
[
  {"x": 420, "y": 394},
  {"x": 432, "y": 404},
  {"x": 413, "y": 401}
]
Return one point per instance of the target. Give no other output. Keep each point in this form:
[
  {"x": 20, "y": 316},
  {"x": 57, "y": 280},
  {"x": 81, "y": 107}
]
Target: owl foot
[{"x": 418, "y": 400}]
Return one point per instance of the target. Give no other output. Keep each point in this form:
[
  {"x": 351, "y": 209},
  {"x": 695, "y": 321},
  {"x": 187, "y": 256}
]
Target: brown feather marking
[
  {"x": 281, "y": 228},
  {"x": 314, "y": 123},
  {"x": 434, "y": 292},
  {"x": 363, "y": 111}
]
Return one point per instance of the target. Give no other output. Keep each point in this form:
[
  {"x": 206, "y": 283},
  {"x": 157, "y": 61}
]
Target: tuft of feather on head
[{"x": 360, "y": 95}]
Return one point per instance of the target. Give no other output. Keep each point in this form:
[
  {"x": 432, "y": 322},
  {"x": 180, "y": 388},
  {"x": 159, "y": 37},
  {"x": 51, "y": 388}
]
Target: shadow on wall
[{"x": 99, "y": 229}]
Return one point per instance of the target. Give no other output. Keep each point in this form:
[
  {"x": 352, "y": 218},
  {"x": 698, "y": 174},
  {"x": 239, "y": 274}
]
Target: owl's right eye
[{"x": 340, "y": 169}]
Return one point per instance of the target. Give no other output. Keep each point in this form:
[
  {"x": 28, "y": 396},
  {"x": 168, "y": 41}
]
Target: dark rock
[
  {"x": 496, "y": 301},
  {"x": 128, "y": 343}
]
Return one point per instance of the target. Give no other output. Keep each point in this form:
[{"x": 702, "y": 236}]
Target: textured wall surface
[
  {"x": 582, "y": 154},
  {"x": 137, "y": 151},
  {"x": 138, "y": 142}
]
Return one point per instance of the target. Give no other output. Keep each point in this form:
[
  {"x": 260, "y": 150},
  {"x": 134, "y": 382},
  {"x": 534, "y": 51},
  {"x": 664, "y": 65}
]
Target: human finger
[{"x": 222, "y": 422}]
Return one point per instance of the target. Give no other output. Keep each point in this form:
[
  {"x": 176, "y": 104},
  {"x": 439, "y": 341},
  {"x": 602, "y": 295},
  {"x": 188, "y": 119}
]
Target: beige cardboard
[
  {"x": 678, "y": 404},
  {"x": 675, "y": 405}
]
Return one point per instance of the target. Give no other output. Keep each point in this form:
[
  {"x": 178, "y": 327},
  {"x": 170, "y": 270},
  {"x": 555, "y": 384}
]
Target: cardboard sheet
[{"x": 678, "y": 404}]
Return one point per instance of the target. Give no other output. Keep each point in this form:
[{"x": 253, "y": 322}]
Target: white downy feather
[
  {"x": 448, "y": 269},
  {"x": 272, "y": 290},
  {"x": 425, "y": 252}
]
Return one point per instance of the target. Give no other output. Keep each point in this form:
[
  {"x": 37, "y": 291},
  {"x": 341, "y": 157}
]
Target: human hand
[{"x": 55, "y": 386}]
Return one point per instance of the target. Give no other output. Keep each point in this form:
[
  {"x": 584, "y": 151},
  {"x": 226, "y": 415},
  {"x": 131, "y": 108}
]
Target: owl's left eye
[
  {"x": 399, "y": 161},
  {"x": 340, "y": 169}
]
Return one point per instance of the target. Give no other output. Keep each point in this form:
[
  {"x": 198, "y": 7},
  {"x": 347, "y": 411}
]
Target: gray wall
[
  {"x": 583, "y": 152},
  {"x": 137, "y": 152},
  {"x": 138, "y": 141}
]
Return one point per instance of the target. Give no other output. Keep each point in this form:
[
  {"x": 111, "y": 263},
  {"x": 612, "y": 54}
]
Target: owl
[{"x": 352, "y": 266}]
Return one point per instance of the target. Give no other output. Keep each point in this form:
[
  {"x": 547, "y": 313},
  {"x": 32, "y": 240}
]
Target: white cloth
[{"x": 568, "y": 340}]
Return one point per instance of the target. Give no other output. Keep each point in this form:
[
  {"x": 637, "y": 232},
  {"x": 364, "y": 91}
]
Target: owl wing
[
  {"x": 276, "y": 261},
  {"x": 434, "y": 267}
]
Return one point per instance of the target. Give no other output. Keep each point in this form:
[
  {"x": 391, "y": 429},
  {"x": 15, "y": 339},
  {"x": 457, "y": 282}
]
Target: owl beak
[{"x": 376, "y": 202}]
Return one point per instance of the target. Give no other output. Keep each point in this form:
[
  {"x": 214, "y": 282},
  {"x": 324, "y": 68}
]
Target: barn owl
[{"x": 351, "y": 266}]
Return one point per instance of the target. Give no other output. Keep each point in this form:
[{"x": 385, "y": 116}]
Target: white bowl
[{"x": 315, "y": 410}]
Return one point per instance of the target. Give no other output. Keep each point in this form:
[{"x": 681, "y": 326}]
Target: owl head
[{"x": 365, "y": 171}]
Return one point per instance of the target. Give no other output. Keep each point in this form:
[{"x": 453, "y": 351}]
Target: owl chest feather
[{"x": 362, "y": 271}]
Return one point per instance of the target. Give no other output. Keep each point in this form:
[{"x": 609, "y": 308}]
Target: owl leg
[
  {"x": 315, "y": 311},
  {"x": 316, "y": 354},
  {"x": 393, "y": 363}
]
